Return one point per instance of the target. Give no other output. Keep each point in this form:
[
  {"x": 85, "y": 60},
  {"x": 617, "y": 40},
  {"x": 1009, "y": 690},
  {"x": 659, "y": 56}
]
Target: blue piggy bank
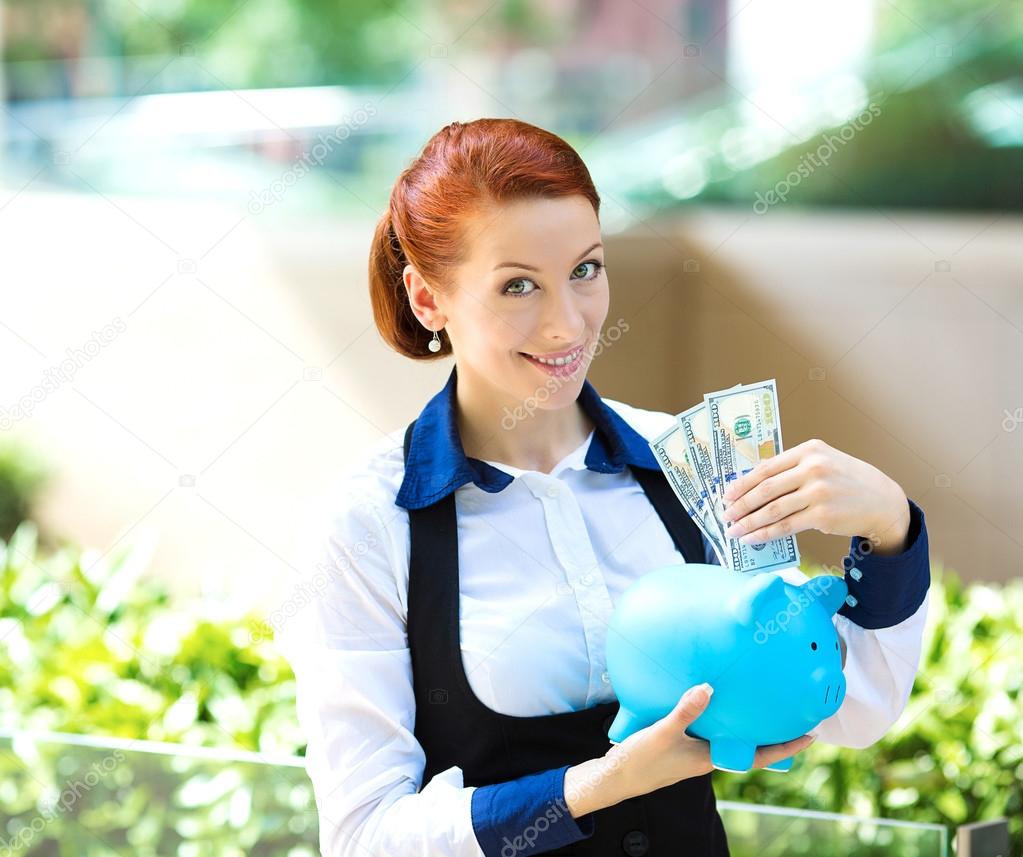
[{"x": 768, "y": 648}]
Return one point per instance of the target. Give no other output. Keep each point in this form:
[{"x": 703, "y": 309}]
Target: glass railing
[
  {"x": 774, "y": 831},
  {"x": 76, "y": 795}
]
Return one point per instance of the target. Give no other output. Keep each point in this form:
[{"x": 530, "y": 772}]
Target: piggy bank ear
[
  {"x": 752, "y": 599},
  {"x": 827, "y": 590}
]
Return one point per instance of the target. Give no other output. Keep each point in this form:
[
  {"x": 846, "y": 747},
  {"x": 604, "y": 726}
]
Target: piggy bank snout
[{"x": 830, "y": 686}]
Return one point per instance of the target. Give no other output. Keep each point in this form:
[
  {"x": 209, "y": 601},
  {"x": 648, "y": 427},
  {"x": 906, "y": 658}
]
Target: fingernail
[
  {"x": 708, "y": 688},
  {"x": 812, "y": 739}
]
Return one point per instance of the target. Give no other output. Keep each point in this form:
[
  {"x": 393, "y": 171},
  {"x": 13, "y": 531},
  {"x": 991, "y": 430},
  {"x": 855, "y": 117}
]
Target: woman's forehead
[{"x": 531, "y": 231}]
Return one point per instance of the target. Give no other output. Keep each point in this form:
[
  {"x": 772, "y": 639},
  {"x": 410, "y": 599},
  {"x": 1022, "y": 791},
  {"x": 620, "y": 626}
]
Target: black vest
[{"x": 456, "y": 728}]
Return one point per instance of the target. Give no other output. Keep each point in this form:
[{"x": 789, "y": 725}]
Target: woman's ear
[
  {"x": 827, "y": 589},
  {"x": 422, "y": 299},
  {"x": 751, "y": 600}
]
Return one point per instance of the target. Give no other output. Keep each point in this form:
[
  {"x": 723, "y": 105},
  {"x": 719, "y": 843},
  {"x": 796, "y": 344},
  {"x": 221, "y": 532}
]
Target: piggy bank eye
[
  {"x": 836, "y": 645},
  {"x": 813, "y": 646}
]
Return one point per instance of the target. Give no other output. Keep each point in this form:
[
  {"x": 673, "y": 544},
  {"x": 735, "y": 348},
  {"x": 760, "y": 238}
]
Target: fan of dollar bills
[{"x": 710, "y": 446}]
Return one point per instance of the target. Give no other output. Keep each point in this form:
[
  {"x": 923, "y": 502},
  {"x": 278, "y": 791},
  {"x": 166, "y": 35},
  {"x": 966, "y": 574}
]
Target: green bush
[
  {"x": 22, "y": 475},
  {"x": 88, "y": 645}
]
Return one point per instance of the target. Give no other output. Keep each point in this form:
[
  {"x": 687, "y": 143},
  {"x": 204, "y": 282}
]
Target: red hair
[{"x": 464, "y": 167}]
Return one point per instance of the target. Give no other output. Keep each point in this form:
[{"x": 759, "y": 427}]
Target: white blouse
[{"x": 542, "y": 564}]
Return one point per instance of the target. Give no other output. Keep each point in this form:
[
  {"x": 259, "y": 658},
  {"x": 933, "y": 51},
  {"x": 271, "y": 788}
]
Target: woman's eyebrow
[{"x": 531, "y": 268}]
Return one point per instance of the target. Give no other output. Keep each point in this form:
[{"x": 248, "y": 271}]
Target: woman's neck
[{"x": 537, "y": 441}]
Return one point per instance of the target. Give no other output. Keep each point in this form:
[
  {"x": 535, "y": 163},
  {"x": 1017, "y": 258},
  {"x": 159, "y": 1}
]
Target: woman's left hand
[{"x": 815, "y": 486}]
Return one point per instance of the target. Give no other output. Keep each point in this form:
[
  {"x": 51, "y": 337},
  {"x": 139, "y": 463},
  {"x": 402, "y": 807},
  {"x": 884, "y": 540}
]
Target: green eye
[
  {"x": 515, "y": 294},
  {"x": 597, "y": 268}
]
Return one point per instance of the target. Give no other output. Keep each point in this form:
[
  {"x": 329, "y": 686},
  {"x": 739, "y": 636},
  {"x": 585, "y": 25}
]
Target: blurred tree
[
  {"x": 263, "y": 43},
  {"x": 896, "y": 24},
  {"x": 23, "y": 474},
  {"x": 252, "y": 42}
]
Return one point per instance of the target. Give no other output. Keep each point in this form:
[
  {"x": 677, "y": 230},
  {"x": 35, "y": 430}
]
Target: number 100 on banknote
[{"x": 745, "y": 429}]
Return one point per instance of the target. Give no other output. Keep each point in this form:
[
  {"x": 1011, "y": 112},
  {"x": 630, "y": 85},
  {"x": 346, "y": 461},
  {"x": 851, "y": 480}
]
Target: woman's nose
[{"x": 563, "y": 317}]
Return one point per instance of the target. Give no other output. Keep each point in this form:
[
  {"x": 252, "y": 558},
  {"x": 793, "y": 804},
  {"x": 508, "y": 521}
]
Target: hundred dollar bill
[
  {"x": 696, "y": 429},
  {"x": 745, "y": 428},
  {"x": 671, "y": 453}
]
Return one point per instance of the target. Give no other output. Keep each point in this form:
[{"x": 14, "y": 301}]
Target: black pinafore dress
[{"x": 454, "y": 727}]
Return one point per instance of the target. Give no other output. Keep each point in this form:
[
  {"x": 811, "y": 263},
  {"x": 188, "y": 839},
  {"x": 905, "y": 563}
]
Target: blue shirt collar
[{"x": 437, "y": 463}]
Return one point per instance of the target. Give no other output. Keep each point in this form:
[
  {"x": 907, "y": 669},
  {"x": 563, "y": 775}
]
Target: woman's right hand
[
  {"x": 662, "y": 753},
  {"x": 657, "y": 756}
]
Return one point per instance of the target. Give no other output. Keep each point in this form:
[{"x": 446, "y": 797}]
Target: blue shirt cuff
[
  {"x": 888, "y": 589},
  {"x": 526, "y": 816}
]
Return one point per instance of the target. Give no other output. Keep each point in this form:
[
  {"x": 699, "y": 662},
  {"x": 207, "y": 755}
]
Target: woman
[{"x": 450, "y": 671}]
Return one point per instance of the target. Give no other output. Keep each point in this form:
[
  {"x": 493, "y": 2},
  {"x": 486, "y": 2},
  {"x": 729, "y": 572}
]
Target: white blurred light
[
  {"x": 844, "y": 97},
  {"x": 685, "y": 175},
  {"x": 738, "y": 148},
  {"x": 780, "y": 51},
  {"x": 995, "y": 113}
]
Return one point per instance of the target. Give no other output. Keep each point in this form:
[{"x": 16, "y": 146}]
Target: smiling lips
[
  {"x": 560, "y": 359},
  {"x": 565, "y": 364},
  {"x": 568, "y": 354}
]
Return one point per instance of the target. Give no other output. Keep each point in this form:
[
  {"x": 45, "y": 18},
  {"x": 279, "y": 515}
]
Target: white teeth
[{"x": 558, "y": 361}]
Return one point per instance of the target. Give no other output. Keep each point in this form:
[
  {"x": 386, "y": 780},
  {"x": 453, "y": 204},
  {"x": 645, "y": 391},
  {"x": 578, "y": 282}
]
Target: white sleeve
[
  {"x": 343, "y": 631},
  {"x": 880, "y": 666}
]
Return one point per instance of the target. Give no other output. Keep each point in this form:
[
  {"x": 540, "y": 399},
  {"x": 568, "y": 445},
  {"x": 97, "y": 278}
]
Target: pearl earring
[{"x": 434, "y": 344}]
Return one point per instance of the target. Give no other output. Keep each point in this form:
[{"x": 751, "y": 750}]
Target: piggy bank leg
[
  {"x": 781, "y": 765},
  {"x": 730, "y": 754}
]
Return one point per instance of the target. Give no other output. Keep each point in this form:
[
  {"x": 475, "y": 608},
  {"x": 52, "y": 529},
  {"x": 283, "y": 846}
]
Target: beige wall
[{"x": 895, "y": 337}]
